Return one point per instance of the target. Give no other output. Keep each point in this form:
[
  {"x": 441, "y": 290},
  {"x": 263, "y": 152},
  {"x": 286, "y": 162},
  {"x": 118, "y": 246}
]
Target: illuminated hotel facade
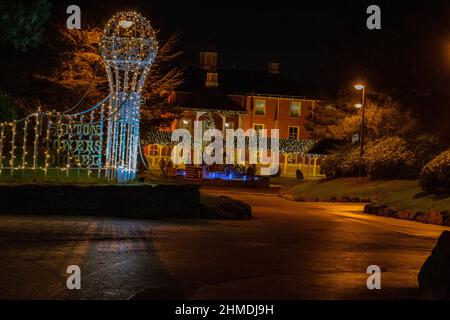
[{"x": 233, "y": 99}]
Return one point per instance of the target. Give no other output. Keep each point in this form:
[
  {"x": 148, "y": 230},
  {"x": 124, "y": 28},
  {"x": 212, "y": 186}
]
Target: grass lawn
[{"x": 398, "y": 194}]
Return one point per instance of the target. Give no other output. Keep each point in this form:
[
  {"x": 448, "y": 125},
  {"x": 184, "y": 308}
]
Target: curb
[
  {"x": 332, "y": 199},
  {"x": 441, "y": 218}
]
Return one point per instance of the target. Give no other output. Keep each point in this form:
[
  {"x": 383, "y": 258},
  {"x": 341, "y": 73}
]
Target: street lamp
[{"x": 362, "y": 88}]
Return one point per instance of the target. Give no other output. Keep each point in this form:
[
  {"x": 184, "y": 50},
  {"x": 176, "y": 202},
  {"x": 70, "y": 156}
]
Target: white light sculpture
[{"x": 129, "y": 47}]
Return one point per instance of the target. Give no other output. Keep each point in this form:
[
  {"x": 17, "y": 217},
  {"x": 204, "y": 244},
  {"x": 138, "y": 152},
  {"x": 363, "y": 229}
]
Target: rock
[
  {"x": 344, "y": 199},
  {"x": 406, "y": 215},
  {"x": 434, "y": 276},
  {"x": 421, "y": 217},
  {"x": 445, "y": 218},
  {"x": 387, "y": 212},
  {"x": 226, "y": 208},
  {"x": 435, "y": 217},
  {"x": 371, "y": 208},
  {"x": 287, "y": 196}
]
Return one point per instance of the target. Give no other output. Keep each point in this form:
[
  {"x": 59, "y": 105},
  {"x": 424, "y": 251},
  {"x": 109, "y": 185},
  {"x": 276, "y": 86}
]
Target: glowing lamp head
[
  {"x": 359, "y": 86},
  {"x": 358, "y": 105},
  {"x": 125, "y": 24}
]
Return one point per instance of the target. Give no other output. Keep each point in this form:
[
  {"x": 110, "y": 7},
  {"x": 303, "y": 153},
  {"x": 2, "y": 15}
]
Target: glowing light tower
[{"x": 129, "y": 47}]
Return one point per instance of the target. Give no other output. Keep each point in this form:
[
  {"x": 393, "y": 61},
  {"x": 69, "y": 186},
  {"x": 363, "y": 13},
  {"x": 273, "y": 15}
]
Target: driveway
[{"x": 290, "y": 250}]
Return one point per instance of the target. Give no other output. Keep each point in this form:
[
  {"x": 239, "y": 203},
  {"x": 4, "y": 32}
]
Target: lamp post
[{"x": 362, "y": 88}]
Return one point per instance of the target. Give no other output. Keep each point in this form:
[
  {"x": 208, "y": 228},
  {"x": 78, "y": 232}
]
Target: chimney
[{"x": 273, "y": 68}]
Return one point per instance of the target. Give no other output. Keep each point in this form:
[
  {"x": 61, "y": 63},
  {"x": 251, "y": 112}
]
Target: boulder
[
  {"x": 432, "y": 217},
  {"x": 387, "y": 212},
  {"x": 406, "y": 215},
  {"x": 435, "y": 217},
  {"x": 344, "y": 199},
  {"x": 371, "y": 208},
  {"x": 434, "y": 276},
  {"x": 287, "y": 196}
]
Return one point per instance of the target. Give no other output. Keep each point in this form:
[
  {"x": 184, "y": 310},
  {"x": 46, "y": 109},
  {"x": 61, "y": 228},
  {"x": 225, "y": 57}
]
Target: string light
[{"x": 128, "y": 48}]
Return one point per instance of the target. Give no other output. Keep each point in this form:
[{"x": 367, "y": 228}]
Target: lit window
[
  {"x": 292, "y": 159},
  {"x": 186, "y": 124},
  {"x": 260, "y": 107},
  {"x": 294, "y": 110},
  {"x": 229, "y": 125},
  {"x": 211, "y": 76},
  {"x": 153, "y": 150},
  {"x": 293, "y": 133},
  {"x": 258, "y": 127}
]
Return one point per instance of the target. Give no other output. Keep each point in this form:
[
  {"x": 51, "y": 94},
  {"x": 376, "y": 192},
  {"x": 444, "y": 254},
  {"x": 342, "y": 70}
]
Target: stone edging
[
  {"x": 432, "y": 217},
  {"x": 332, "y": 199}
]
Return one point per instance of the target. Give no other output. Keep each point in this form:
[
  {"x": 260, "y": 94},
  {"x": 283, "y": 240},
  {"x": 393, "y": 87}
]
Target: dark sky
[
  {"x": 323, "y": 44},
  {"x": 312, "y": 39}
]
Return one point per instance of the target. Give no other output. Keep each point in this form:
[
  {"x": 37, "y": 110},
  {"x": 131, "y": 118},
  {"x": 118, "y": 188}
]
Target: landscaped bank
[
  {"x": 129, "y": 201},
  {"x": 401, "y": 199}
]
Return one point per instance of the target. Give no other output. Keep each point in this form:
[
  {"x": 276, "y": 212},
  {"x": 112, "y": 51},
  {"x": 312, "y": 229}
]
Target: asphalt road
[{"x": 290, "y": 250}]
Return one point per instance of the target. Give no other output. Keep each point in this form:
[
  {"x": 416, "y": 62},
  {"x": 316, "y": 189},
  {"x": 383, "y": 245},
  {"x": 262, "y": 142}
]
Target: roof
[
  {"x": 245, "y": 81},
  {"x": 285, "y": 145},
  {"x": 212, "y": 99}
]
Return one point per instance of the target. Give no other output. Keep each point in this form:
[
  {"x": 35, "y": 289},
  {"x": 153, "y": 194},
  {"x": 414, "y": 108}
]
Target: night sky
[{"x": 323, "y": 44}]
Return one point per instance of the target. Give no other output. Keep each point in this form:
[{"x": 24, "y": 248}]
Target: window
[
  {"x": 211, "y": 80},
  {"x": 292, "y": 159},
  {"x": 260, "y": 107},
  {"x": 293, "y": 133},
  {"x": 258, "y": 127},
  {"x": 153, "y": 150},
  {"x": 186, "y": 124},
  {"x": 229, "y": 125},
  {"x": 294, "y": 110},
  {"x": 211, "y": 77}
]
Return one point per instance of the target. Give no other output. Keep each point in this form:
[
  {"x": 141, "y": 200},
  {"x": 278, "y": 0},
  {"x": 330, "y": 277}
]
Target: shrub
[
  {"x": 331, "y": 166},
  {"x": 435, "y": 175},
  {"x": 352, "y": 164},
  {"x": 425, "y": 148},
  {"x": 342, "y": 163},
  {"x": 390, "y": 158}
]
